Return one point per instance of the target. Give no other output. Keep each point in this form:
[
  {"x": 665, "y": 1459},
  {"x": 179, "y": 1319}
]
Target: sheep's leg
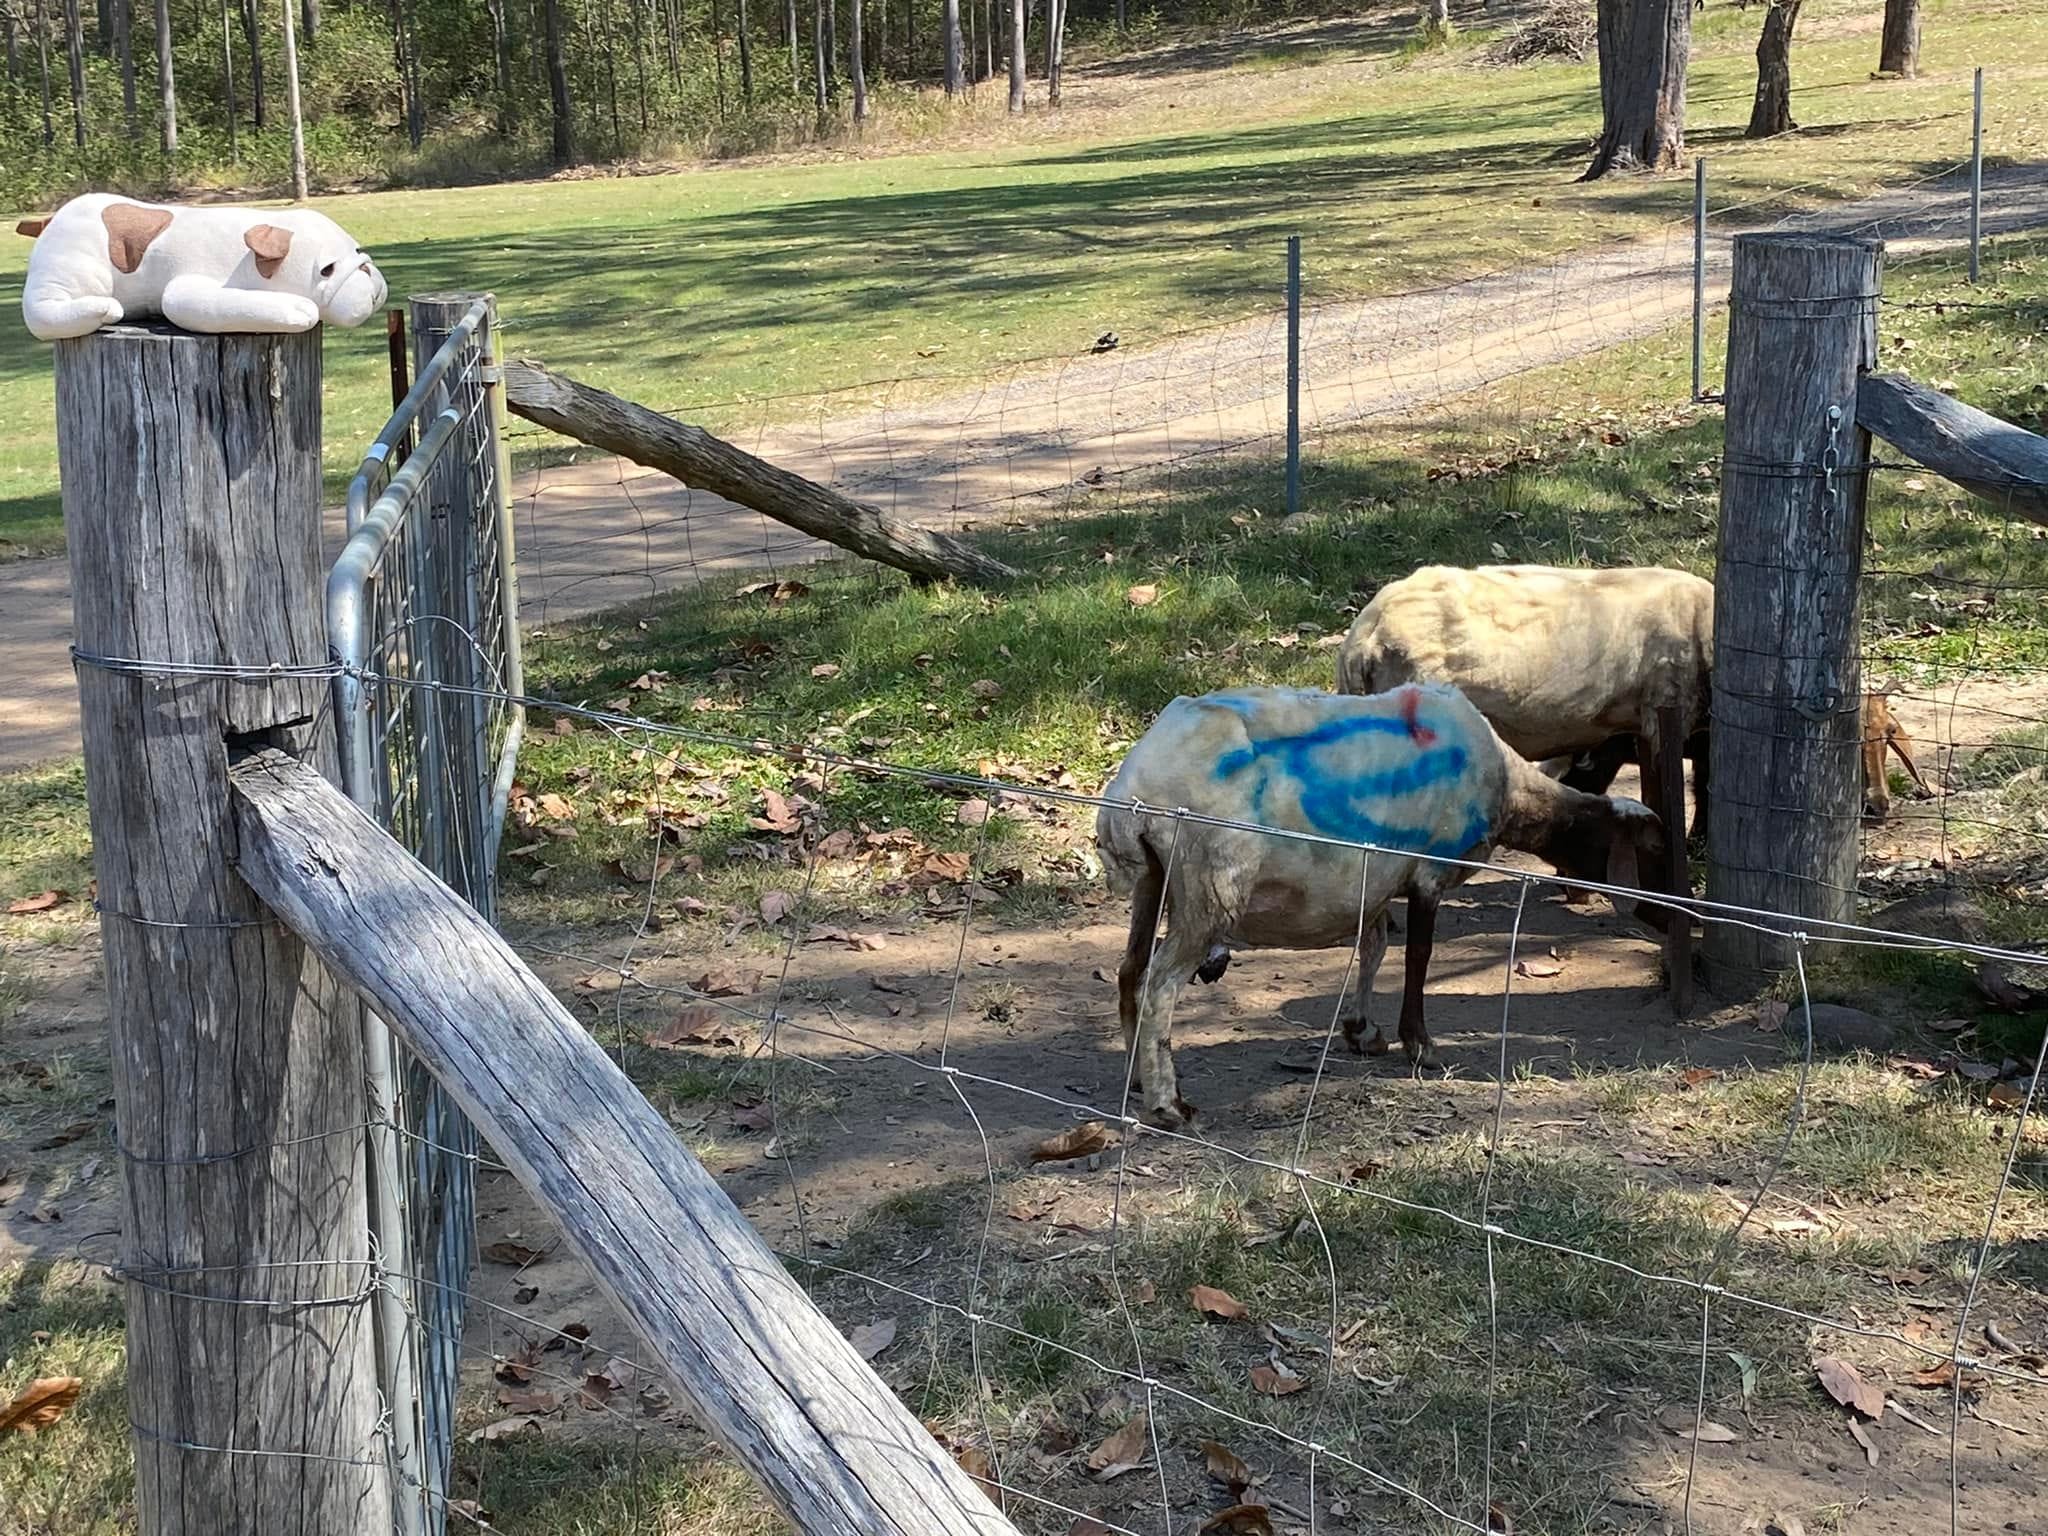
[
  {"x": 1147, "y": 895},
  {"x": 1372, "y": 949},
  {"x": 1696, "y": 749},
  {"x": 1421, "y": 940},
  {"x": 1178, "y": 954}
]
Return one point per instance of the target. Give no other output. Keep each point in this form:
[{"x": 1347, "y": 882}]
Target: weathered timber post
[
  {"x": 1788, "y": 686},
  {"x": 191, "y": 476}
]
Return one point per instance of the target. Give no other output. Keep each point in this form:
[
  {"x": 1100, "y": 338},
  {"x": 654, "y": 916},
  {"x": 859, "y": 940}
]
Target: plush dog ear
[
  {"x": 269, "y": 243},
  {"x": 31, "y": 227}
]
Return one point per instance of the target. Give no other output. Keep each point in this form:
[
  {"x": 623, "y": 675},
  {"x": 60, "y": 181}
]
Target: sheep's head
[{"x": 1612, "y": 841}]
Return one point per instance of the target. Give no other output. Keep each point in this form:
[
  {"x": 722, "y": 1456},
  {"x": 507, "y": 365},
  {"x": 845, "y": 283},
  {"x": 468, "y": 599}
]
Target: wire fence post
[
  {"x": 1699, "y": 276},
  {"x": 1785, "y": 766},
  {"x": 192, "y": 496},
  {"x": 1293, "y": 375},
  {"x": 1976, "y": 172}
]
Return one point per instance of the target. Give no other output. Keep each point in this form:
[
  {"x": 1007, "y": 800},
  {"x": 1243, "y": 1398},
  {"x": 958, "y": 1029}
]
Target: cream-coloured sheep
[{"x": 1417, "y": 773}]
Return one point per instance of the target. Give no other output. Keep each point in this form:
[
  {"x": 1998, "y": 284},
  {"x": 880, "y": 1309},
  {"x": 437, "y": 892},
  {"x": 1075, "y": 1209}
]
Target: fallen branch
[
  {"x": 2004, "y": 464},
  {"x": 698, "y": 459}
]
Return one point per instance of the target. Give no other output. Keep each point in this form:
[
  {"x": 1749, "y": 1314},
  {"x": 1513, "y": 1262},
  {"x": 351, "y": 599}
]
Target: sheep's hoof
[
  {"x": 1376, "y": 1046},
  {"x": 1423, "y": 1059},
  {"x": 1169, "y": 1117}
]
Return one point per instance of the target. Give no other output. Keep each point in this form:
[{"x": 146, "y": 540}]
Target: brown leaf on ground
[
  {"x": 505, "y": 1429},
  {"x": 1904, "y": 1276},
  {"x": 1942, "y": 1375},
  {"x": 698, "y": 1024},
  {"x": 1081, "y": 1141},
  {"x": 1269, "y": 1381},
  {"x": 600, "y": 981},
  {"x": 945, "y": 867},
  {"x": 77, "y": 1130},
  {"x": 775, "y": 906},
  {"x": 1707, "y": 1433},
  {"x": 1239, "y": 1520},
  {"x": 727, "y": 981},
  {"x": 41, "y": 902},
  {"x": 1539, "y": 970},
  {"x": 986, "y": 688},
  {"x": 526, "y": 1295},
  {"x": 754, "y": 1117},
  {"x": 1087, "y": 1525},
  {"x": 640, "y": 871},
  {"x": 980, "y": 1466},
  {"x": 1210, "y": 1302},
  {"x": 865, "y": 942},
  {"x": 528, "y": 1402},
  {"x": 1498, "y": 1519},
  {"x": 1226, "y": 1466},
  {"x": 777, "y": 815},
  {"x": 518, "y": 1255},
  {"x": 2006, "y": 1096},
  {"x": 1142, "y": 597},
  {"x": 972, "y": 813},
  {"x": 40, "y": 1404},
  {"x": 556, "y": 808},
  {"x": 825, "y": 669},
  {"x": 1144, "y": 1293},
  {"x": 1122, "y": 1452},
  {"x": 870, "y": 1339},
  {"x": 517, "y": 1370},
  {"x": 1845, "y": 1384},
  {"x": 1692, "y": 1077},
  {"x": 1864, "y": 1438},
  {"x": 1055, "y": 1438}
]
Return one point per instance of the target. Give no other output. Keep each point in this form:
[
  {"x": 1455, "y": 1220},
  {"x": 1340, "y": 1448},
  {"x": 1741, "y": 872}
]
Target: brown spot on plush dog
[
  {"x": 130, "y": 228},
  {"x": 270, "y": 245},
  {"x": 31, "y": 227}
]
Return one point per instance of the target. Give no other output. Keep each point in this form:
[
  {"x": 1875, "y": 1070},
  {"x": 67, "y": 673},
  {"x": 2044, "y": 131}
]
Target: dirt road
[{"x": 597, "y": 534}]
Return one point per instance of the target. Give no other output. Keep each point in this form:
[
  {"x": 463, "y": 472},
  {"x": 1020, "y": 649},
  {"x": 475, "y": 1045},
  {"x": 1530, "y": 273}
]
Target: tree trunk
[
  {"x": 558, "y": 85},
  {"x": 611, "y": 77},
  {"x": 1899, "y": 53},
  {"x": 831, "y": 50},
  {"x": 1643, "y": 49},
  {"x": 166, "y": 84},
  {"x": 124, "y": 51},
  {"x": 74, "y": 50},
  {"x": 7, "y": 19},
  {"x": 973, "y": 51},
  {"x": 746, "y": 56},
  {"x": 796, "y": 75},
  {"x": 988, "y": 39},
  {"x": 1121, "y": 25},
  {"x": 1772, "y": 112},
  {"x": 640, "y": 57},
  {"x": 949, "y": 20},
  {"x": 818, "y": 61},
  {"x": 401, "y": 55},
  {"x": 909, "y": 37},
  {"x": 43, "y": 70},
  {"x": 227, "y": 83},
  {"x": 1055, "y": 48},
  {"x": 291, "y": 102},
  {"x": 1017, "y": 55},
  {"x": 856, "y": 66},
  {"x": 501, "y": 56},
  {"x": 309, "y": 18},
  {"x": 103, "y": 34},
  {"x": 717, "y": 55},
  {"x": 252, "y": 34},
  {"x": 675, "y": 49}
]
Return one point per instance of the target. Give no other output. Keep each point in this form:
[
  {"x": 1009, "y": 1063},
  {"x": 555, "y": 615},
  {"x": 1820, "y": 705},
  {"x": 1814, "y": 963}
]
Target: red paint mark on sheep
[{"x": 1411, "y": 701}]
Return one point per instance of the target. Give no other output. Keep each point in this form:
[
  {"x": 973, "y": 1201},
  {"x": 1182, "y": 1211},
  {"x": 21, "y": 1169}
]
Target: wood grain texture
[
  {"x": 2006, "y": 465},
  {"x": 1788, "y": 685},
  {"x": 761, "y": 1367},
  {"x": 191, "y": 476},
  {"x": 697, "y": 458}
]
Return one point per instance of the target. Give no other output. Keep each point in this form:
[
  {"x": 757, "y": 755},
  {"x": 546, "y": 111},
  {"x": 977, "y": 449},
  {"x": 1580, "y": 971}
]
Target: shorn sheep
[
  {"x": 1417, "y": 771},
  {"x": 1573, "y": 664}
]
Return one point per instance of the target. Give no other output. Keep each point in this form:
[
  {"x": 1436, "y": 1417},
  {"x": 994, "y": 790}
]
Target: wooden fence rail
[{"x": 761, "y": 1367}]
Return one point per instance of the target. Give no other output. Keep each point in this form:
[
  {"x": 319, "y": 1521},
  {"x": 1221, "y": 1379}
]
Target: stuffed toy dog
[{"x": 102, "y": 259}]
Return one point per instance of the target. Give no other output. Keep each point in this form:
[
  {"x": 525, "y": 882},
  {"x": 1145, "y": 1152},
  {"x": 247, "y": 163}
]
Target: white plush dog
[{"x": 101, "y": 259}]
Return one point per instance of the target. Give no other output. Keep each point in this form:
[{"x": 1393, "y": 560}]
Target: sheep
[
  {"x": 1881, "y": 731},
  {"x": 1562, "y": 662},
  {"x": 1416, "y": 770}
]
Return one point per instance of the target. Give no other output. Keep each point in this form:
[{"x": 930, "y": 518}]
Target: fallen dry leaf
[
  {"x": 867, "y": 942},
  {"x": 1142, "y": 597},
  {"x": 40, "y": 1404},
  {"x": 1210, "y": 1302},
  {"x": 640, "y": 871},
  {"x": 727, "y": 981},
  {"x": 1707, "y": 1433},
  {"x": 1268, "y": 1381},
  {"x": 945, "y": 867},
  {"x": 1692, "y": 1077},
  {"x": 1498, "y": 1519},
  {"x": 775, "y": 906},
  {"x": 518, "y": 1255},
  {"x": 1087, "y": 1525},
  {"x": 870, "y": 1339},
  {"x": 42, "y": 902},
  {"x": 1864, "y": 1439},
  {"x": 776, "y": 815},
  {"x": 1144, "y": 1293},
  {"x": 1905, "y": 1276},
  {"x": 980, "y": 1466},
  {"x": 1943, "y": 1376},
  {"x": 504, "y": 1429},
  {"x": 1226, "y": 1466},
  {"x": 600, "y": 981},
  {"x": 555, "y": 808},
  {"x": 1081, "y": 1141},
  {"x": 75, "y": 1131},
  {"x": 1539, "y": 969},
  {"x": 698, "y": 1024},
  {"x": 1845, "y": 1384},
  {"x": 517, "y": 1370},
  {"x": 825, "y": 669},
  {"x": 972, "y": 813},
  {"x": 1239, "y": 1520},
  {"x": 528, "y": 1402},
  {"x": 986, "y": 688},
  {"x": 754, "y": 1117},
  {"x": 1123, "y": 1451}
]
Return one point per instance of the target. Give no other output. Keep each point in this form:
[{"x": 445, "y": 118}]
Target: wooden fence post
[
  {"x": 191, "y": 488},
  {"x": 1788, "y": 686}
]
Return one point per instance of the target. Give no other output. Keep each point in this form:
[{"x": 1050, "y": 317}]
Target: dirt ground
[{"x": 1026, "y": 1012}]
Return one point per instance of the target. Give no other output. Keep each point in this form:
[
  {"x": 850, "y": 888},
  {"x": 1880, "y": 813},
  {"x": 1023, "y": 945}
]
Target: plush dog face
[{"x": 320, "y": 260}]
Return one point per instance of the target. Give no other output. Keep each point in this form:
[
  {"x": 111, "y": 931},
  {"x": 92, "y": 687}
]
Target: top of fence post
[
  {"x": 1785, "y": 770},
  {"x": 192, "y": 495}
]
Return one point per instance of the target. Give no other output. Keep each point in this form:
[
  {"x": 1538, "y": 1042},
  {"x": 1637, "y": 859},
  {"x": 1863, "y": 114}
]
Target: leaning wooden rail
[
  {"x": 695, "y": 457},
  {"x": 762, "y": 1367},
  {"x": 2004, "y": 464}
]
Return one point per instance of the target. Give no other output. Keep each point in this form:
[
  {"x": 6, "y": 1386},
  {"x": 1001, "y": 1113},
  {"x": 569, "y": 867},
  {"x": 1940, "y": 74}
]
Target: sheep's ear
[
  {"x": 270, "y": 245},
  {"x": 1636, "y": 828}
]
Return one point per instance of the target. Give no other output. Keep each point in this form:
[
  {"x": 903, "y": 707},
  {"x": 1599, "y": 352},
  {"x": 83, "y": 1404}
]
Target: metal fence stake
[
  {"x": 1699, "y": 275},
  {"x": 1976, "y": 173},
  {"x": 1293, "y": 375}
]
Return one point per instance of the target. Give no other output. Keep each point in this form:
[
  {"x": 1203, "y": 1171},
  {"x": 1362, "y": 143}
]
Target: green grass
[
  {"x": 749, "y": 283},
  {"x": 44, "y": 843},
  {"x": 75, "y": 1477}
]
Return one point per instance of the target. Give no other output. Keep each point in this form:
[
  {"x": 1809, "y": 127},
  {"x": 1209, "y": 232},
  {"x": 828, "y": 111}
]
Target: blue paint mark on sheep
[{"x": 1342, "y": 804}]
